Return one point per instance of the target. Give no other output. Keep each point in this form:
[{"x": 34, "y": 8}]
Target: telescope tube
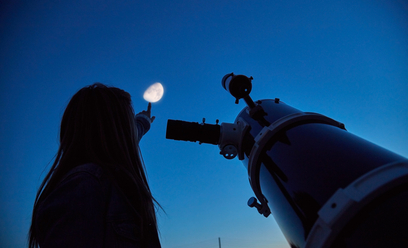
[{"x": 307, "y": 168}]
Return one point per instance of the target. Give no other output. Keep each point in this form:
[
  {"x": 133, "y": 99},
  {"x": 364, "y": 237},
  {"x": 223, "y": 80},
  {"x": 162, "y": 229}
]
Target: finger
[
  {"x": 153, "y": 118},
  {"x": 149, "y": 107}
]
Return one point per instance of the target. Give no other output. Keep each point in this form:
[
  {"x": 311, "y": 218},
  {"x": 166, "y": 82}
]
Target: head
[{"x": 98, "y": 127}]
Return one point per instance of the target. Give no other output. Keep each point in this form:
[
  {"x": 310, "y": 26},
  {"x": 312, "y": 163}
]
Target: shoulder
[
  {"x": 85, "y": 183},
  {"x": 89, "y": 178}
]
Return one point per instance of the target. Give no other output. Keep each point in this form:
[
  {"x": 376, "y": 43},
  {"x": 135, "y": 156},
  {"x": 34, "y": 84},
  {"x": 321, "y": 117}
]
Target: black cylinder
[
  {"x": 238, "y": 85},
  {"x": 193, "y": 131},
  {"x": 302, "y": 160}
]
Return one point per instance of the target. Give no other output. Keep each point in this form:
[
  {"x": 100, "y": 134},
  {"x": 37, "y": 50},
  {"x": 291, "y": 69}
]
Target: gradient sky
[{"x": 347, "y": 59}]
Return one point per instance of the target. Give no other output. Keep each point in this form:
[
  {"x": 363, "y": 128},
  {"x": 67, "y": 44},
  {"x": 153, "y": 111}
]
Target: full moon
[{"x": 154, "y": 93}]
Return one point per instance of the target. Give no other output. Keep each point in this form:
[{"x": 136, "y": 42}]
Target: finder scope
[
  {"x": 324, "y": 186},
  {"x": 238, "y": 85}
]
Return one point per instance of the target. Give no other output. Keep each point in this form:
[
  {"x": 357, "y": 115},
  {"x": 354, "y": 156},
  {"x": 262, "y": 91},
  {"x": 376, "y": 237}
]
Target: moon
[{"x": 154, "y": 93}]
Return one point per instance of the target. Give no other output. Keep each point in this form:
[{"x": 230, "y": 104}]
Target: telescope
[{"x": 324, "y": 186}]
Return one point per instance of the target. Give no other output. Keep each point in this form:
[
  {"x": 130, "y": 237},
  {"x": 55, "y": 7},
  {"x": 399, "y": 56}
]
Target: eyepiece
[{"x": 193, "y": 131}]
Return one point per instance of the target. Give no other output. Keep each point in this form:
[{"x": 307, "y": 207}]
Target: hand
[{"x": 148, "y": 112}]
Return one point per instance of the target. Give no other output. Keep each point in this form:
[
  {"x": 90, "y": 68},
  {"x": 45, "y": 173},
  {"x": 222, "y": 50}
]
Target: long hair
[{"x": 98, "y": 127}]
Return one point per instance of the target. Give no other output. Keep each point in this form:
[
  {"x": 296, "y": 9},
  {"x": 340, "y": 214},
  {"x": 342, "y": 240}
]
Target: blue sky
[{"x": 344, "y": 59}]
